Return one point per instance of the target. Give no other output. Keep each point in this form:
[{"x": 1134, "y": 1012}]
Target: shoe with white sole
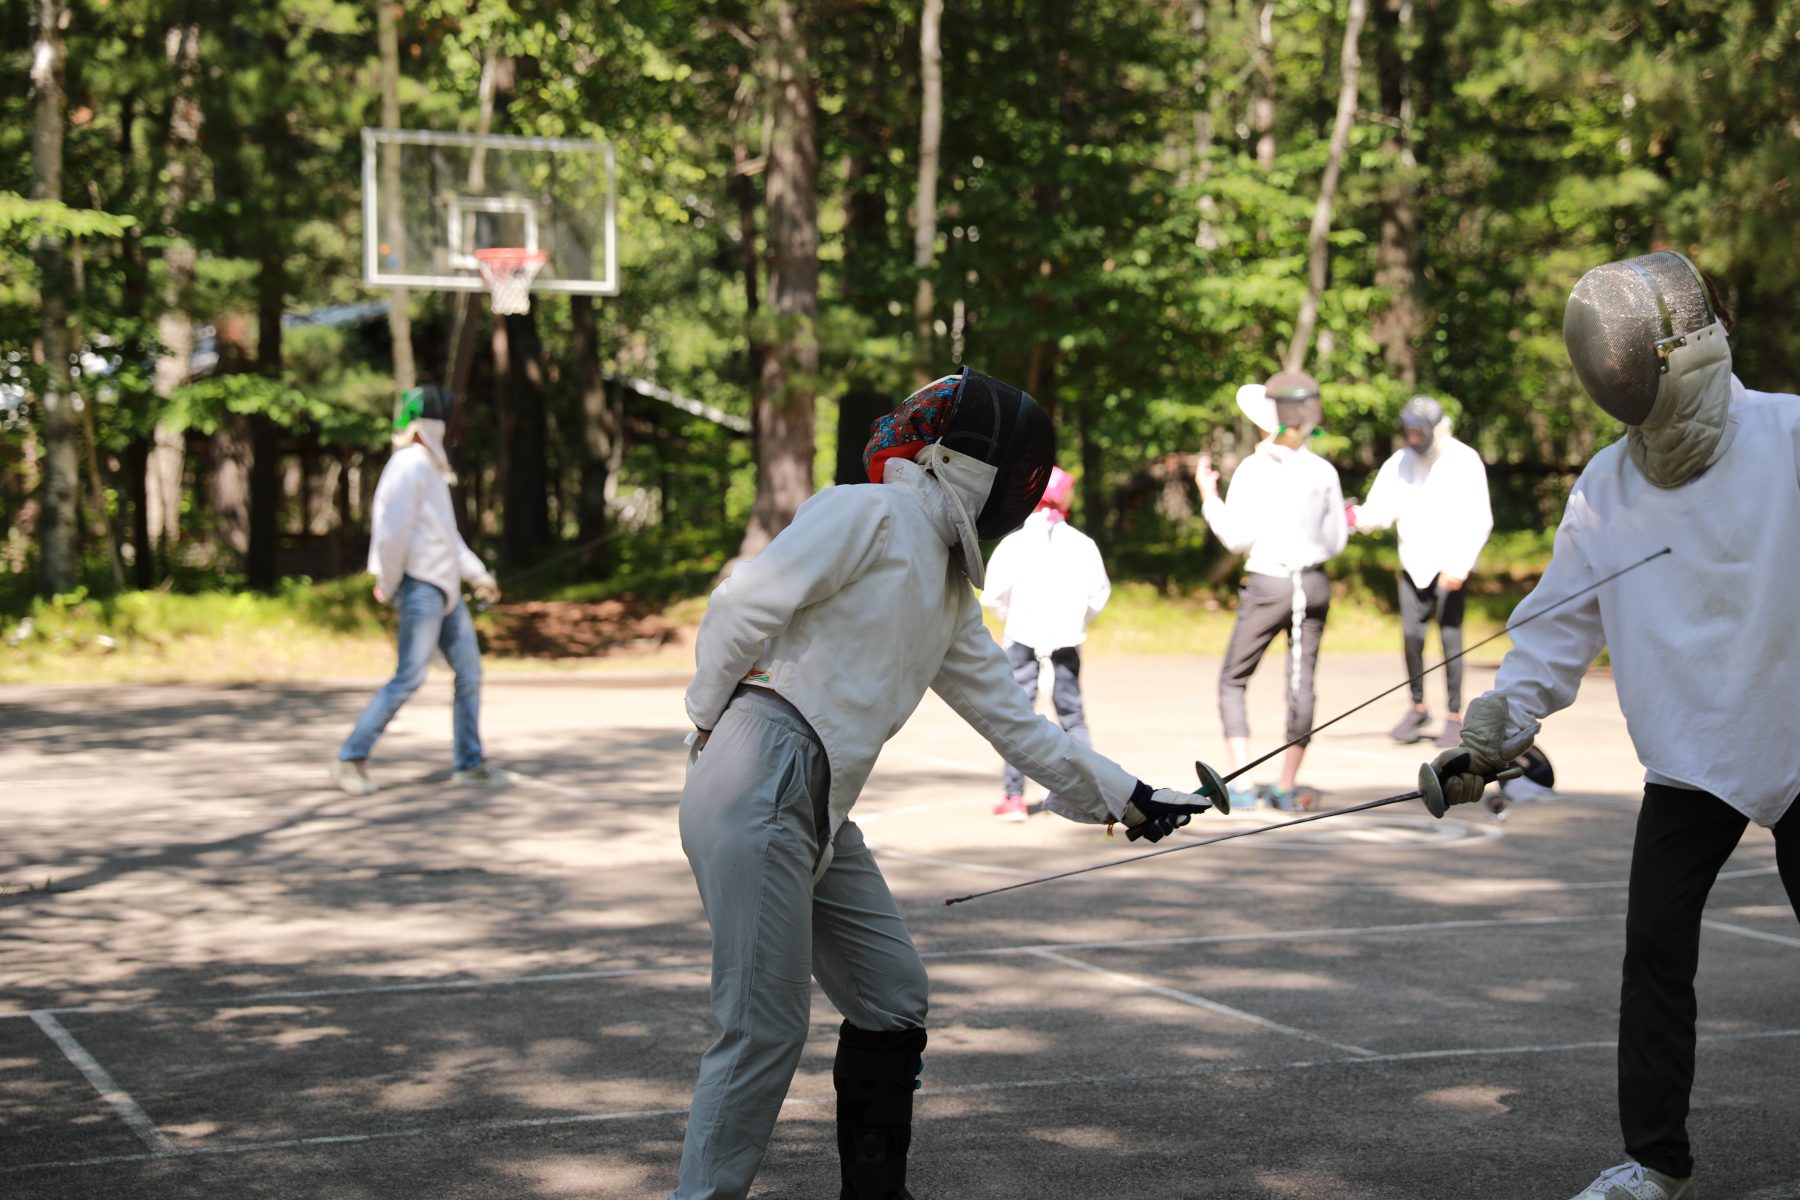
[
  {"x": 1012, "y": 808},
  {"x": 482, "y": 775},
  {"x": 351, "y": 775},
  {"x": 1635, "y": 1181}
]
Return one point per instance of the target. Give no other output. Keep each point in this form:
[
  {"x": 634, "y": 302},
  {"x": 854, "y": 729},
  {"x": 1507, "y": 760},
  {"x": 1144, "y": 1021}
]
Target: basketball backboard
[{"x": 432, "y": 200}]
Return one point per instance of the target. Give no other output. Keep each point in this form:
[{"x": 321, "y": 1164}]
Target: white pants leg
[{"x": 752, "y": 819}]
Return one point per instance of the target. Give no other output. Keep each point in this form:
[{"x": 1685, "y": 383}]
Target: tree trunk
[
  {"x": 524, "y": 438},
  {"x": 602, "y": 443},
  {"x": 1395, "y": 327},
  {"x": 931, "y": 128},
  {"x": 261, "y": 565},
  {"x": 1318, "y": 253},
  {"x": 394, "y": 222},
  {"x": 174, "y": 328},
  {"x": 744, "y": 189},
  {"x": 59, "y": 565},
  {"x": 1262, "y": 108},
  {"x": 228, "y": 490},
  {"x": 1205, "y": 235},
  {"x": 784, "y": 410},
  {"x": 466, "y": 307}
]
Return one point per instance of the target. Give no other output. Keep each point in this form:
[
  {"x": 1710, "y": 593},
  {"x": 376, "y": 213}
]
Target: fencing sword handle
[
  {"x": 1211, "y": 785},
  {"x": 1431, "y": 783}
]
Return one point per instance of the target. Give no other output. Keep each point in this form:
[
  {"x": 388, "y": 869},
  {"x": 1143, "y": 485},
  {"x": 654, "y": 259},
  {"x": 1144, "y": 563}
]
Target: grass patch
[{"x": 335, "y": 629}]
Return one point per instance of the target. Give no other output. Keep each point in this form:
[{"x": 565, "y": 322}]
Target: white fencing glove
[
  {"x": 1464, "y": 771},
  {"x": 1157, "y": 814}
]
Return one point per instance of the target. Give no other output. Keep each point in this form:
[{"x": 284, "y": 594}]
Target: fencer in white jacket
[
  {"x": 1704, "y": 492},
  {"x": 810, "y": 657}
]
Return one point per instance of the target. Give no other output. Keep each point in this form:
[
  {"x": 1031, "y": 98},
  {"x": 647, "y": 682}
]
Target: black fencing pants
[
  {"x": 1683, "y": 839},
  {"x": 1417, "y": 607}
]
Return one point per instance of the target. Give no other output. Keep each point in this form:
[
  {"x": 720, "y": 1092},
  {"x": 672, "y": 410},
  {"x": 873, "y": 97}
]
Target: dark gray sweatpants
[
  {"x": 1065, "y": 697},
  {"x": 753, "y": 820},
  {"x": 1267, "y": 607}
]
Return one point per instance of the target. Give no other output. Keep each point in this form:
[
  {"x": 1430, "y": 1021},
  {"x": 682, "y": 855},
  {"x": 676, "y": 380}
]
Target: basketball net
[{"x": 508, "y": 272}]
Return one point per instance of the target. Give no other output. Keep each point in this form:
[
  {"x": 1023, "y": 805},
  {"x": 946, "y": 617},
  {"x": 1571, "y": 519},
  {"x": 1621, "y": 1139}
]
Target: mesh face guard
[
  {"x": 1419, "y": 421},
  {"x": 1622, "y": 320},
  {"x": 1296, "y": 397},
  {"x": 1005, "y": 428}
]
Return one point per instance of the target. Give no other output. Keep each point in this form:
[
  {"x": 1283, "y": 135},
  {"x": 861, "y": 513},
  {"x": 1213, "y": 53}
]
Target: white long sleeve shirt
[
  {"x": 1285, "y": 507},
  {"x": 852, "y": 612},
  {"x": 1046, "y": 581},
  {"x": 415, "y": 528},
  {"x": 1704, "y": 641},
  {"x": 1440, "y": 505}
]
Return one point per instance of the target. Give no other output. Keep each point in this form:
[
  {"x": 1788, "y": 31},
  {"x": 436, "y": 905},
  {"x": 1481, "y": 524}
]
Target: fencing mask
[
  {"x": 986, "y": 441},
  {"x": 1289, "y": 400},
  {"x": 1419, "y": 421},
  {"x": 423, "y": 415},
  {"x": 1649, "y": 348}
]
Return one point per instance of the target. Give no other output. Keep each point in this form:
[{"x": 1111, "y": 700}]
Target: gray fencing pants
[{"x": 753, "y": 818}]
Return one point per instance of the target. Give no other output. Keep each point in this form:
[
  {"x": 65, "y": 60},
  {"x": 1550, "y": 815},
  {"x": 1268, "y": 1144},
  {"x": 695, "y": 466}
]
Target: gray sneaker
[
  {"x": 1635, "y": 1181},
  {"x": 352, "y": 775},
  {"x": 482, "y": 774},
  {"x": 1411, "y": 727}
]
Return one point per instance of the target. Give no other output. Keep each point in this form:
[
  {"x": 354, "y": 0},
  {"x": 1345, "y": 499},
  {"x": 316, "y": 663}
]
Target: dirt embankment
[{"x": 579, "y": 629}]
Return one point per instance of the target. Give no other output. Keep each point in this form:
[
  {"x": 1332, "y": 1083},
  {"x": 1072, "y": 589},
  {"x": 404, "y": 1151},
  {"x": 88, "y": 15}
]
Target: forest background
[{"x": 1128, "y": 207}]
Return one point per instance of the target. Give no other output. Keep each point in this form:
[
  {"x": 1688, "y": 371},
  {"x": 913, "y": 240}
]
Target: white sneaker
[
  {"x": 1635, "y": 1181},
  {"x": 350, "y": 775},
  {"x": 483, "y": 775}
]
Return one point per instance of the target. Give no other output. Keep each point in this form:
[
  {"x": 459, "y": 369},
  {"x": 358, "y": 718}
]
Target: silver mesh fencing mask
[
  {"x": 1419, "y": 419},
  {"x": 1622, "y": 322},
  {"x": 1005, "y": 428}
]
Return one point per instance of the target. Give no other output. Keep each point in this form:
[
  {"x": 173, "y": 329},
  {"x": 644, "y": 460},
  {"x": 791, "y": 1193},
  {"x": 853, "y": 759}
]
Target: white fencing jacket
[
  {"x": 1704, "y": 641},
  {"x": 852, "y": 612},
  {"x": 415, "y": 528},
  {"x": 1046, "y": 581},
  {"x": 1440, "y": 504},
  {"x": 1285, "y": 507}
]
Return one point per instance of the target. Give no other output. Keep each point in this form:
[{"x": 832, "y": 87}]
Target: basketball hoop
[{"x": 508, "y": 272}]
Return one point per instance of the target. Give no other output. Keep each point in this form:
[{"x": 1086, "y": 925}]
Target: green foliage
[{"x": 1107, "y": 234}]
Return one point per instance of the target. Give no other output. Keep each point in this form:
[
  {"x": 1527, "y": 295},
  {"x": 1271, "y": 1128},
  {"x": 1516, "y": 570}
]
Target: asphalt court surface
[{"x": 241, "y": 984}]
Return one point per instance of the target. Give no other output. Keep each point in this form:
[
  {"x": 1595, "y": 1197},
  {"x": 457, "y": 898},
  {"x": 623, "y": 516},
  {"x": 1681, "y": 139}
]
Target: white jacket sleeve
[
  {"x": 977, "y": 684},
  {"x": 997, "y": 585},
  {"x": 1099, "y": 586},
  {"x": 469, "y": 562},
  {"x": 834, "y": 538},
  {"x": 395, "y": 509},
  {"x": 1232, "y": 517},
  {"x": 1542, "y": 672},
  {"x": 1474, "y": 517},
  {"x": 1382, "y": 508},
  {"x": 1334, "y": 529}
]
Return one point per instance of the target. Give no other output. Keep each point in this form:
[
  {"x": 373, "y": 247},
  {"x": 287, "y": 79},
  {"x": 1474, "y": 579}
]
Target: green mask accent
[{"x": 412, "y": 407}]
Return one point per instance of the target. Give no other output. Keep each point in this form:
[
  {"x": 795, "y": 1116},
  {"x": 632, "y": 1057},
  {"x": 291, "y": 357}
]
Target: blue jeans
[{"x": 427, "y": 618}]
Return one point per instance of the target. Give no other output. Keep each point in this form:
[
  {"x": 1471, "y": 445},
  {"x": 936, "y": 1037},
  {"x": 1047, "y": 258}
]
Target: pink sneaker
[{"x": 1011, "y": 808}]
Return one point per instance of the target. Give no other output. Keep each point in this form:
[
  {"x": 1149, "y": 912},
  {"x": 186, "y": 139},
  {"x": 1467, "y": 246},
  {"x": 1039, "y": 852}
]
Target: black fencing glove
[{"x": 1155, "y": 814}]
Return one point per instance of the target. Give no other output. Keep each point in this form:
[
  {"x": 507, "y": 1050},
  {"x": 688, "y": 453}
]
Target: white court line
[
  {"x": 1136, "y": 984},
  {"x": 1745, "y": 931},
  {"x": 426, "y": 985},
  {"x": 1283, "y": 935},
  {"x": 105, "y": 1084},
  {"x": 703, "y": 965},
  {"x": 961, "y": 1089},
  {"x": 1781, "y": 1191}
]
